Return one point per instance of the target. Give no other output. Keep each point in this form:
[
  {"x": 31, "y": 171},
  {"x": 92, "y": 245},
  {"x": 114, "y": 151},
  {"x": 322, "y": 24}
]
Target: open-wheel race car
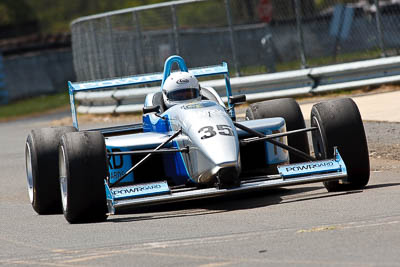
[{"x": 190, "y": 146}]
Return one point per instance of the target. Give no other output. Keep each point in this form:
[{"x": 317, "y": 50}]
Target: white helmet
[{"x": 179, "y": 88}]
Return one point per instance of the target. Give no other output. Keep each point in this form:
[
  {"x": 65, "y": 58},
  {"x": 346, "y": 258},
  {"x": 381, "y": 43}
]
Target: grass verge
[
  {"x": 311, "y": 62},
  {"x": 34, "y": 105}
]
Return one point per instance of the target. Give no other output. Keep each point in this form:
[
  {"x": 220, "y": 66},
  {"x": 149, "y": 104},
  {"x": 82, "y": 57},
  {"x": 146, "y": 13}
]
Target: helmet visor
[{"x": 183, "y": 94}]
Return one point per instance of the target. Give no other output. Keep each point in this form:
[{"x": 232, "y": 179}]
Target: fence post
[
  {"x": 94, "y": 69},
  {"x": 379, "y": 28},
  {"x": 232, "y": 36},
  {"x": 300, "y": 36},
  {"x": 81, "y": 62},
  {"x": 3, "y": 93},
  {"x": 175, "y": 29},
  {"x": 140, "y": 55},
  {"x": 111, "y": 65}
]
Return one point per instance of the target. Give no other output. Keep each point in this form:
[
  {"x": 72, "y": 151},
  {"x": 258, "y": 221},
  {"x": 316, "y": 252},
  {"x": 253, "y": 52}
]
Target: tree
[{"x": 17, "y": 12}]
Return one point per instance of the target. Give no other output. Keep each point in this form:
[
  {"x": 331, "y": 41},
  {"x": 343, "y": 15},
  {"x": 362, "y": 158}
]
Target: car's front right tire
[
  {"x": 288, "y": 109},
  {"x": 83, "y": 170},
  {"x": 41, "y": 159}
]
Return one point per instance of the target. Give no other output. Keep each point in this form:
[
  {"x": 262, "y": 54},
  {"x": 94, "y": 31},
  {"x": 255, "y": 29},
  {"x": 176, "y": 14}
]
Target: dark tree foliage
[{"x": 55, "y": 16}]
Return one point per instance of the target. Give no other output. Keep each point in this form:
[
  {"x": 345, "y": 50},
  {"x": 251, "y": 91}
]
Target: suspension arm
[
  {"x": 151, "y": 151},
  {"x": 145, "y": 158},
  {"x": 274, "y": 142},
  {"x": 272, "y": 136}
]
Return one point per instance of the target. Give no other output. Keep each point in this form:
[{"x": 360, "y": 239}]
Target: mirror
[
  {"x": 237, "y": 99},
  {"x": 151, "y": 109}
]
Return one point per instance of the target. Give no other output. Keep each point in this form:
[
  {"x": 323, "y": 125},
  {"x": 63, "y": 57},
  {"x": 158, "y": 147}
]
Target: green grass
[
  {"x": 311, "y": 62},
  {"x": 33, "y": 106}
]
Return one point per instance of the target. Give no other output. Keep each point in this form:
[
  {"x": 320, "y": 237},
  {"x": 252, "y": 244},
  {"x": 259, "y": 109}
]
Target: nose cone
[
  {"x": 221, "y": 150},
  {"x": 217, "y": 155},
  {"x": 214, "y": 144}
]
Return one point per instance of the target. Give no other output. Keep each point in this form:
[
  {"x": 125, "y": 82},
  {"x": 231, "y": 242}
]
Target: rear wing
[{"x": 149, "y": 78}]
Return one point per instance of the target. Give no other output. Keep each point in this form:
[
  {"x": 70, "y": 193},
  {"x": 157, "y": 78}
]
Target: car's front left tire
[{"x": 340, "y": 125}]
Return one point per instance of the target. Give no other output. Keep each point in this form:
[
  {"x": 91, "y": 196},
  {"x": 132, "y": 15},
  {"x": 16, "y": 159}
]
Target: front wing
[{"x": 159, "y": 192}]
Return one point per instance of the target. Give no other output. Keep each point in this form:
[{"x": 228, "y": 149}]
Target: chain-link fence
[{"x": 253, "y": 36}]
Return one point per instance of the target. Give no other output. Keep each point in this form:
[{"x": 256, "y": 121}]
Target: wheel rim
[
  {"x": 63, "y": 178},
  {"x": 29, "y": 174},
  {"x": 318, "y": 140}
]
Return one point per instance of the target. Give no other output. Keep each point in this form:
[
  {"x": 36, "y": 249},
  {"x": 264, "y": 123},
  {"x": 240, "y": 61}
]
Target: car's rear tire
[
  {"x": 83, "y": 169},
  {"x": 41, "y": 159},
  {"x": 288, "y": 109},
  {"x": 340, "y": 124}
]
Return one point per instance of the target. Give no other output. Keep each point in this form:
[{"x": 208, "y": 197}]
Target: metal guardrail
[{"x": 260, "y": 87}]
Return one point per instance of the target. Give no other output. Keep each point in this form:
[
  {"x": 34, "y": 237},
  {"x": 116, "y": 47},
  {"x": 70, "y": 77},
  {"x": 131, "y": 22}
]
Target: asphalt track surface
[{"x": 294, "y": 226}]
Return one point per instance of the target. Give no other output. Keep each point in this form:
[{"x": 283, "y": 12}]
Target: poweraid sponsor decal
[
  {"x": 309, "y": 168},
  {"x": 140, "y": 190}
]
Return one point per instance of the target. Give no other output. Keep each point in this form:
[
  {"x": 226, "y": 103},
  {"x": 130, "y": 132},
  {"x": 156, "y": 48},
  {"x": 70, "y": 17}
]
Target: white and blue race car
[{"x": 191, "y": 151}]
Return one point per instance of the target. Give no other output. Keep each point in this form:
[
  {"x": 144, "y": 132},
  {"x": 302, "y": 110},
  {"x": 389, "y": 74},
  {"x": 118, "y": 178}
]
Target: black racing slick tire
[
  {"x": 83, "y": 169},
  {"x": 288, "y": 109},
  {"x": 41, "y": 159},
  {"x": 340, "y": 125}
]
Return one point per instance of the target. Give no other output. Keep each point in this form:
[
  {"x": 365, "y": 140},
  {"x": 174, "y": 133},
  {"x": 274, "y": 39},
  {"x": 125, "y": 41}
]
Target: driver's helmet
[{"x": 180, "y": 88}]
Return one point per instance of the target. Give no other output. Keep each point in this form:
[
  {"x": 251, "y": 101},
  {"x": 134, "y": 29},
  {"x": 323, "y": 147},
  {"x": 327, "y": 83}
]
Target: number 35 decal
[{"x": 209, "y": 131}]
